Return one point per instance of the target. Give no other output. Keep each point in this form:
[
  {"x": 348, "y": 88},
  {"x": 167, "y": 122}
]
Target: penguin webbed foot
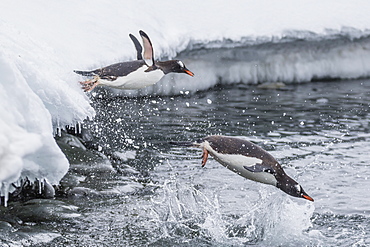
[
  {"x": 204, "y": 157},
  {"x": 89, "y": 85}
]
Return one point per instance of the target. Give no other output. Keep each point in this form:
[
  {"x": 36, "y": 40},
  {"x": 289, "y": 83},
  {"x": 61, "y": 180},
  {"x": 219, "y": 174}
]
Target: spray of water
[{"x": 187, "y": 212}]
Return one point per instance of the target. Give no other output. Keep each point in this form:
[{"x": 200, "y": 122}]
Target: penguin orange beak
[
  {"x": 308, "y": 198},
  {"x": 189, "y": 72}
]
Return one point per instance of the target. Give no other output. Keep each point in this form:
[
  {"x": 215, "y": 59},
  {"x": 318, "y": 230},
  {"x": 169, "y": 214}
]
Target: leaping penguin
[
  {"x": 249, "y": 161},
  {"x": 133, "y": 74}
]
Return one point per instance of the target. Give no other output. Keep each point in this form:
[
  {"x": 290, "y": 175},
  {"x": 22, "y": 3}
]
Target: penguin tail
[{"x": 84, "y": 73}]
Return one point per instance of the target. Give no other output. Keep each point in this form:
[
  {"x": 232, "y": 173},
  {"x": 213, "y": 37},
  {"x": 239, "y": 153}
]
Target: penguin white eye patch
[
  {"x": 298, "y": 187},
  {"x": 181, "y": 64}
]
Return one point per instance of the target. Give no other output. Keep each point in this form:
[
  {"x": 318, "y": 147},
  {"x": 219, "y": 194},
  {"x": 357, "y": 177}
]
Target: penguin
[
  {"x": 248, "y": 160},
  {"x": 134, "y": 74}
]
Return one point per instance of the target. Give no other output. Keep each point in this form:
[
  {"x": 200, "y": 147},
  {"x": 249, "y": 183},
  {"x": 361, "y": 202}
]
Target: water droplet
[{"x": 129, "y": 141}]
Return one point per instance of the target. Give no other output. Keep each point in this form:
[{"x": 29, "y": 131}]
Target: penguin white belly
[
  {"x": 236, "y": 163},
  {"x": 136, "y": 79}
]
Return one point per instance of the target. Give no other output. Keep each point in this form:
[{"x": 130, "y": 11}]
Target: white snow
[
  {"x": 42, "y": 42},
  {"x": 27, "y": 146}
]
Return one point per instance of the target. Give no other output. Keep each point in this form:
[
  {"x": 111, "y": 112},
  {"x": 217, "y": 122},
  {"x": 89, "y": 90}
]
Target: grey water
[{"x": 159, "y": 195}]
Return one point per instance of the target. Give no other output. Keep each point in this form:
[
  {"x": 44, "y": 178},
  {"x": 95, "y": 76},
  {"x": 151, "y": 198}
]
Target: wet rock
[
  {"x": 27, "y": 189},
  {"x": 128, "y": 171},
  {"x": 76, "y": 152},
  {"x": 82, "y": 192},
  {"x": 93, "y": 169},
  {"x": 83, "y": 161},
  {"x": 72, "y": 141},
  {"x": 91, "y": 172},
  {"x": 70, "y": 181},
  {"x": 43, "y": 210},
  {"x": 123, "y": 156},
  {"x": 5, "y": 227},
  {"x": 6, "y": 219},
  {"x": 26, "y": 236}
]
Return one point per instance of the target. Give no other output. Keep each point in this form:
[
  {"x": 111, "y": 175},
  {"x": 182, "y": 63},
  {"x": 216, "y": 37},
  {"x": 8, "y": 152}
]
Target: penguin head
[
  {"x": 291, "y": 187},
  {"x": 175, "y": 66},
  {"x": 179, "y": 67}
]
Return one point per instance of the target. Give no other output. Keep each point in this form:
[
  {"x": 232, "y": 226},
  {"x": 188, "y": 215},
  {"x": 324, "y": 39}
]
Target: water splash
[
  {"x": 190, "y": 212},
  {"x": 182, "y": 210}
]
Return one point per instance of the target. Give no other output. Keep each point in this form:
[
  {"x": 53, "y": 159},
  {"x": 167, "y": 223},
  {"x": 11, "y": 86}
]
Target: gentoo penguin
[
  {"x": 248, "y": 160},
  {"x": 134, "y": 74}
]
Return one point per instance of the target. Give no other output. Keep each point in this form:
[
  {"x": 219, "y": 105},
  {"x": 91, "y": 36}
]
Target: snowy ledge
[{"x": 34, "y": 102}]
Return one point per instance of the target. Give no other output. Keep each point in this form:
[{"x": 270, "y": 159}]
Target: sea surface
[{"x": 159, "y": 195}]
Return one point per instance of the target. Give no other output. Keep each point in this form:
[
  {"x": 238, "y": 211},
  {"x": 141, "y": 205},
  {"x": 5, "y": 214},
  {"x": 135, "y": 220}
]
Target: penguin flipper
[
  {"x": 139, "y": 48},
  {"x": 148, "y": 49},
  {"x": 259, "y": 168}
]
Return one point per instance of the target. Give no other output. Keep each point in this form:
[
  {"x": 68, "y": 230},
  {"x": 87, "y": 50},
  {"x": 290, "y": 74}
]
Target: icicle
[
  {"x": 4, "y": 191},
  {"x": 6, "y": 197},
  {"x": 1, "y": 193},
  {"x": 59, "y": 130},
  {"x": 40, "y": 186},
  {"x": 48, "y": 189},
  {"x": 79, "y": 128}
]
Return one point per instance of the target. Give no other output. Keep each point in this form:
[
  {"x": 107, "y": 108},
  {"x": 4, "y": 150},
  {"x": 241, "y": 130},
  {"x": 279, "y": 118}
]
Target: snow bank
[
  {"x": 36, "y": 98},
  {"x": 27, "y": 146}
]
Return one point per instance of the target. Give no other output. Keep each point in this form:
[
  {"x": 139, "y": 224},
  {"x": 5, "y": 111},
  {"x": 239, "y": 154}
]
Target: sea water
[{"x": 318, "y": 131}]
